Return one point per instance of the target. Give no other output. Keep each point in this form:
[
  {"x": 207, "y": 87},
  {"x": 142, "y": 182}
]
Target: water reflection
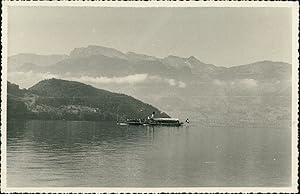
[{"x": 65, "y": 153}]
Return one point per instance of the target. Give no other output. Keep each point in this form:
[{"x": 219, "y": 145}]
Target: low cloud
[
  {"x": 181, "y": 84},
  {"x": 250, "y": 83},
  {"x": 219, "y": 82},
  {"x": 130, "y": 79},
  {"x": 246, "y": 83},
  {"x": 28, "y": 79},
  {"x": 173, "y": 82},
  {"x": 169, "y": 81}
]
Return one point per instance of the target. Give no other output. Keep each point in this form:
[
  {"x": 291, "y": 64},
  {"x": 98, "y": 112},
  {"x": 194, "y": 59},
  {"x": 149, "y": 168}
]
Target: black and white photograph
[{"x": 149, "y": 97}]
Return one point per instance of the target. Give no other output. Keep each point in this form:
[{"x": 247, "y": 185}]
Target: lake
[{"x": 102, "y": 154}]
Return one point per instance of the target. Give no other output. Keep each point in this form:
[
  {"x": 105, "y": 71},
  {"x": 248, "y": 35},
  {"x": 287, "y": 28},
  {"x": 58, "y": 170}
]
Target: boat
[
  {"x": 131, "y": 122},
  {"x": 164, "y": 122},
  {"x": 152, "y": 122}
]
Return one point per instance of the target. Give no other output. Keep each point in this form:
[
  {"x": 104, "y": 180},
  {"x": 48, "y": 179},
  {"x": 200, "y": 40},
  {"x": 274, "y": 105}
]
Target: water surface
[{"x": 102, "y": 154}]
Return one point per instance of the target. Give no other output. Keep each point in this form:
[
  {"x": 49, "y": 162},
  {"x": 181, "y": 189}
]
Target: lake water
[{"x": 102, "y": 154}]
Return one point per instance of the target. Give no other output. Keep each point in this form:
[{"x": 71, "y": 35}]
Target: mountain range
[
  {"x": 181, "y": 86},
  {"x": 102, "y": 61}
]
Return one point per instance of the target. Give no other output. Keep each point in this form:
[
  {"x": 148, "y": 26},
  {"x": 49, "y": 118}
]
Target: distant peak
[
  {"x": 192, "y": 58},
  {"x": 89, "y": 47},
  {"x": 91, "y": 50},
  {"x": 173, "y": 56},
  {"x": 266, "y": 62},
  {"x": 133, "y": 53},
  {"x": 138, "y": 56},
  {"x": 97, "y": 46}
]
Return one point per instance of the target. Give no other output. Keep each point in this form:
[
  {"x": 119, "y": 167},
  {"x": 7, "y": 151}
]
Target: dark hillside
[{"x": 69, "y": 100}]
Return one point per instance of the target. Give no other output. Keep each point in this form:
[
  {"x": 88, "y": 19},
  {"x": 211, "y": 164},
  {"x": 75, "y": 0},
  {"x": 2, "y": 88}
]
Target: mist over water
[{"x": 103, "y": 154}]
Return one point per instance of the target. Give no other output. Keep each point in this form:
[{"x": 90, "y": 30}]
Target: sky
[{"x": 219, "y": 36}]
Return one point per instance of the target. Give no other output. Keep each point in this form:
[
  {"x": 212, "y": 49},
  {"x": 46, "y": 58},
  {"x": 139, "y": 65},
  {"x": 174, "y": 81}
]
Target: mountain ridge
[
  {"x": 112, "y": 52},
  {"x": 109, "y": 62}
]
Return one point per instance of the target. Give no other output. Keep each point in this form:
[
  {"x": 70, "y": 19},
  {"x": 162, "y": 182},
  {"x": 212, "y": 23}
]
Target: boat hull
[
  {"x": 153, "y": 122},
  {"x": 166, "y": 124}
]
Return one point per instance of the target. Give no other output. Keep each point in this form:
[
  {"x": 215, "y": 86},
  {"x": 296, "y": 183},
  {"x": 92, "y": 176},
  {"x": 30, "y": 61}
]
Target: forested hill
[{"x": 69, "y": 100}]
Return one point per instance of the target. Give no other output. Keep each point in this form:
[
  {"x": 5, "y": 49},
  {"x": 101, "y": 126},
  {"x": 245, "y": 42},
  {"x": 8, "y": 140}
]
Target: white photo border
[{"x": 139, "y": 4}]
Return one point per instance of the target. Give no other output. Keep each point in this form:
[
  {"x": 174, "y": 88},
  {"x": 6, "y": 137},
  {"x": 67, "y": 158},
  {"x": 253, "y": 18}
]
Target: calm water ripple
[{"x": 102, "y": 154}]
